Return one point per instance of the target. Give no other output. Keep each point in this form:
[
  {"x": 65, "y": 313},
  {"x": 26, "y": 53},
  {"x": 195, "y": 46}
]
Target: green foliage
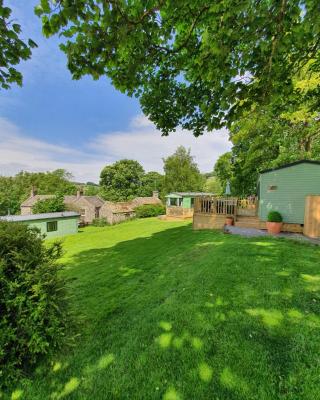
[
  {"x": 14, "y": 190},
  {"x": 121, "y": 181},
  {"x": 33, "y": 304},
  {"x": 197, "y": 64},
  {"x": 150, "y": 210},
  {"x": 181, "y": 172},
  {"x": 264, "y": 140},
  {"x": 12, "y": 48},
  {"x": 55, "y": 204},
  {"x": 100, "y": 222},
  {"x": 151, "y": 181},
  {"x": 223, "y": 169},
  {"x": 90, "y": 189},
  {"x": 274, "y": 216},
  {"x": 213, "y": 185}
]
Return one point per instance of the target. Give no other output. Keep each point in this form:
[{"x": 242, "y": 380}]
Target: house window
[
  {"x": 192, "y": 202},
  {"x": 83, "y": 212},
  {"x": 272, "y": 188},
  {"x": 173, "y": 201},
  {"x": 52, "y": 226},
  {"x": 97, "y": 210}
]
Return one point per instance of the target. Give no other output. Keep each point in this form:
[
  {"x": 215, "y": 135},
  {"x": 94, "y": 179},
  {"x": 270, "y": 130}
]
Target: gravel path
[{"x": 251, "y": 232}]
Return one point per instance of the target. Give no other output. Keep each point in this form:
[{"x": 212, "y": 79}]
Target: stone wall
[
  {"x": 80, "y": 206},
  {"x": 179, "y": 212},
  {"x": 207, "y": 221},
  {"x": 26, "y": 210},
  {"x": 113, "y": 213}
]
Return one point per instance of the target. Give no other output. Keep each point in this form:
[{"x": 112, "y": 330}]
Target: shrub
[
  {"x": 55, "y": 204},
  {"x": 33, "y": 307},
  {"x": 274, "y": 216},
  {"x": 150, "y": 210},
  {"x": 100, "y": 222}
]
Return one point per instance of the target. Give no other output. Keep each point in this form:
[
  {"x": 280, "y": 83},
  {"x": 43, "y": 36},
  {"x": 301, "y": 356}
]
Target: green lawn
[{"x": 169, "y": 313}]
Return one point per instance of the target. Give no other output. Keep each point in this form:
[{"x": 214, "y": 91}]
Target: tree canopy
[
  {"x": 151, "y": 181},
  {"x": 213, "y": 185},
  {"x": 198, "y": 64},
  {"x": 122, "y": 180},
  {"x": 14, "y": 190},
  {"x": 181, "y": 172},
  {"x": 13, "y": 48},
  {"x": 55, "y": 204}
]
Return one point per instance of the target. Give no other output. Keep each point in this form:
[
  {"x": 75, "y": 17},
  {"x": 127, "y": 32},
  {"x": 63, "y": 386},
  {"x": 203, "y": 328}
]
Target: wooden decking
[
  {"x": 211, "y": 213},
  {"x": 249, "y": 222}
]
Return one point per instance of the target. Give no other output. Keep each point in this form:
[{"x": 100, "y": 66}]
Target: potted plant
[
  {"x": 274, "y": 222},
  {"x": 229, "y": 220}
]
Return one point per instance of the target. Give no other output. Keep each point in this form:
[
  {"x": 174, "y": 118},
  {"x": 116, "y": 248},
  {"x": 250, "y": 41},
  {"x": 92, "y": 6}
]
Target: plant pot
[
  {"x": 274, "y": 228},
  {"x": 229, "y": 221}
]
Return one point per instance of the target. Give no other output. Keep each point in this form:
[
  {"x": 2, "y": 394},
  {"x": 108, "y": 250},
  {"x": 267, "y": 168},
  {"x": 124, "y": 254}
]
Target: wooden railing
[
  {"x": 215, "y": 205},
  {"x": 225, "y": 205},
  {"x": 248, "y": 206}
]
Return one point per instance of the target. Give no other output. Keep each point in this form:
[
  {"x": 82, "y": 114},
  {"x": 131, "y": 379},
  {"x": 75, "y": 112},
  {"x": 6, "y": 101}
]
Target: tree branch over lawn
[
  {"x": 183, "y": 59},
  {"x": 12, "y": 48}
]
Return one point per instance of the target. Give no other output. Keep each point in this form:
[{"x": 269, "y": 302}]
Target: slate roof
[
  {"x": 31, "y": 201},
  {"x": 32, "y": 217},
  {"x": 291, "y": 165},
  {"x": 69, "y": 199},
  {"x": 143, "y": 201},
  {"x": 94, "y": 200},
  {"x": 118, "y": 208},
  {"x": 190, "y": 194}
]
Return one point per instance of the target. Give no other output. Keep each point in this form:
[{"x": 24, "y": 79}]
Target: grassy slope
[{"x": 168, "y": 313}]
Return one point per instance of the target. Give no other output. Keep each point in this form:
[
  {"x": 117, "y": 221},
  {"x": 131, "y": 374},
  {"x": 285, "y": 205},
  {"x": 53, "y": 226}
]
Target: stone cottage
[
  {"x": 91, "y": 207},
  {"x": 87, "y": 206},
  {"x": 117, "y": 212}
]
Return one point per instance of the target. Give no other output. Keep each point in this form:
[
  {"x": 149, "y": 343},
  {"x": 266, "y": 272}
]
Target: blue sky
[{"x": 55, "y": 122}]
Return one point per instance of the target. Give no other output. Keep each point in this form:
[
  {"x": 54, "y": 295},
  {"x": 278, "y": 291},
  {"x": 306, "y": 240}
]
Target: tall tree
[
  {"x": 212, "y": 185},
  {"x": 12, "y": 48},
  {"x": 181, "y": 172},
  {"x": 151, "y": 181},
  {"x": 122, "y": 180},
  {"x": 223, "y": 169},
  {"x": 197, "y": 64}
]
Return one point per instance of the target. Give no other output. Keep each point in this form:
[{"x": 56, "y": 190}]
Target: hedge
[
  {"x": 150, "y": 210},
  {"x": 33, "y": 307}
]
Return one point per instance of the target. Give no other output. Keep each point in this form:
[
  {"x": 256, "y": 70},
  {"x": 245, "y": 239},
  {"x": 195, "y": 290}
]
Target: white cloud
[
  {"x": 144, "y": 143},
  {"x": 20, "y": 152},
  {"x": 141, "y": 142}
]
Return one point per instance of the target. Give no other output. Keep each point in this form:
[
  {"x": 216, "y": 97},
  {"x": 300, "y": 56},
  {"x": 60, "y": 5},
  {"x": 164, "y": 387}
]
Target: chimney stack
[
  {"x": 155, "y": 194},
  {"x": 33, "y": 191},
  {"x": 79, "y": 193}
]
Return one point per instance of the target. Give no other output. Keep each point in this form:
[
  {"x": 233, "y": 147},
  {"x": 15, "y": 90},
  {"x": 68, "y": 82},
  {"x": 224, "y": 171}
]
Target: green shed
[
  {"x": 184, "y": 199},
  {"x": 51, "y": 224},
  {"x": 285, "y": 188}
]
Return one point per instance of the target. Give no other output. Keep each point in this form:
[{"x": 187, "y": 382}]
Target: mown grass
[{"x": 170, "y": 313}]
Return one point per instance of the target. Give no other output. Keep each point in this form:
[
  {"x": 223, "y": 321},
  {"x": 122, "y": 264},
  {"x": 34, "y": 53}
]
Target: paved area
[{"x": 252, "y": 232}]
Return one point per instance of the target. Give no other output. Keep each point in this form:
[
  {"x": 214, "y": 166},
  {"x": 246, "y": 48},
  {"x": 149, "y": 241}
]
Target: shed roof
[
  {"x": 94, "y": 200},
  {"x": 33, "y": 199},
  {"x": 33, "y": 217},
  {"x": 188, "y": 194},
  {"x": 142, "y": 201},
  {"x": 291, "y": 165},
  {"x": 69, "y": 199},
  {"x": 118, "y": 208}
]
